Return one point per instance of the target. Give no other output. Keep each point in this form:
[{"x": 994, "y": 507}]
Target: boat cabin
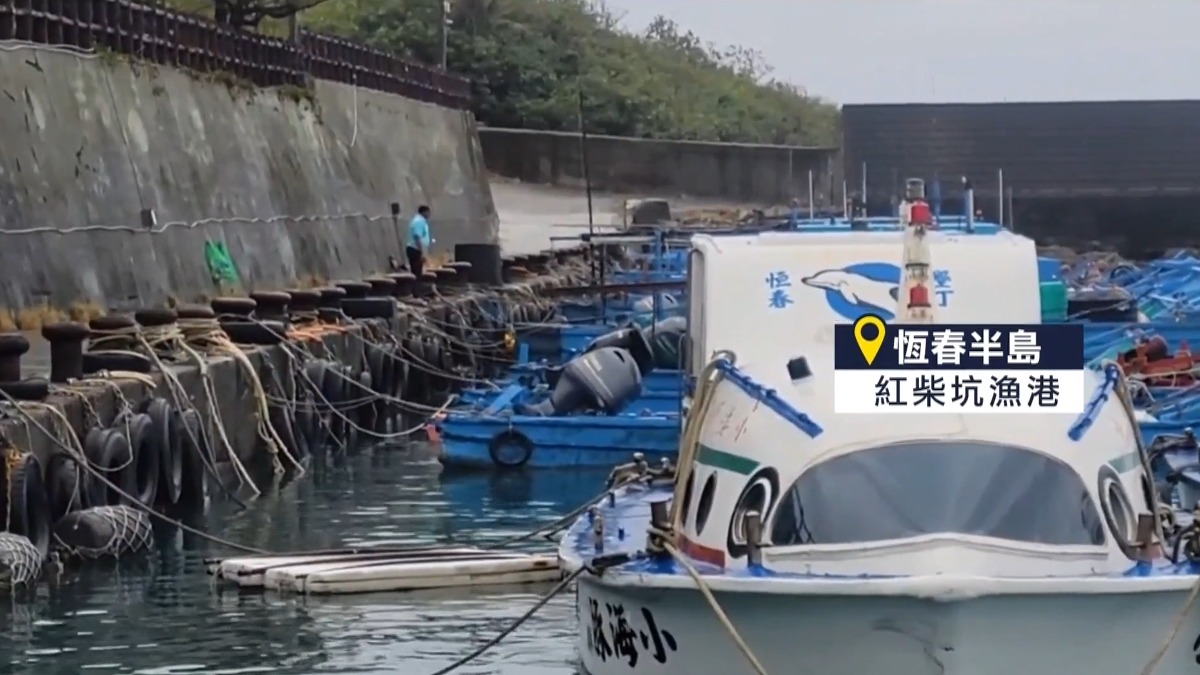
[{"x": 887, "y": 494}]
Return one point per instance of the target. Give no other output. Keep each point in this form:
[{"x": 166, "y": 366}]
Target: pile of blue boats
[{"x": 606, "y": 378}]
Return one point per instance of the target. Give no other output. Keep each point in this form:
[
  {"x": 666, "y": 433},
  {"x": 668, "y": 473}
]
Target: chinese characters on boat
[{"x": 624, "y": 636}]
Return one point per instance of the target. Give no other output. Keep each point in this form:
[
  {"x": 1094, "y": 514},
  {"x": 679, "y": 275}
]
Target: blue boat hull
[
  {"x": 657, "y": 384},
  {"x": 511, "y": 441},
  {"x": 648, "y": 402}
]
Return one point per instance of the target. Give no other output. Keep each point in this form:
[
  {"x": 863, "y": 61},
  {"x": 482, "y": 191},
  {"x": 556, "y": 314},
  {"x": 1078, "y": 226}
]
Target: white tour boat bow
[{"x": 795, "y": 541}]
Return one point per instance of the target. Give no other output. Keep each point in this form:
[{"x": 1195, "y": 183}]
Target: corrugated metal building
[{"x": 1075, "y": 149}]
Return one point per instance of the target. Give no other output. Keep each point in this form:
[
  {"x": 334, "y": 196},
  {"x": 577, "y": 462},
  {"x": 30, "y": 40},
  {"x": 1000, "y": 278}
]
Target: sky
[{"x": 932, "y": 51}]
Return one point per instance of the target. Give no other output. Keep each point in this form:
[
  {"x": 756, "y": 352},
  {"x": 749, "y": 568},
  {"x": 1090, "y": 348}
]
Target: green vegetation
[{"x": 529, "y": 59}]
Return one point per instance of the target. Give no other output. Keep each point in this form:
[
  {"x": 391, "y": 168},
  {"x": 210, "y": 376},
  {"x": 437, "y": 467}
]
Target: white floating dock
[{"x": 368, "y": 571}]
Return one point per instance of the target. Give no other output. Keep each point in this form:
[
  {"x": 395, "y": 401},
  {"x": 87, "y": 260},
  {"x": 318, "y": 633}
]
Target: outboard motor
[
  {"x": 643, "y": 309},
  {"x": 665, "y": 339},
  {"x": 630, "y": 339},
  {"x": 605, "y": 380}
]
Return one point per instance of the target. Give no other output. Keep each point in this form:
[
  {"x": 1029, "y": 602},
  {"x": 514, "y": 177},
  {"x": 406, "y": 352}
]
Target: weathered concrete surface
[
  {"x": 531, "y": 214},
  {"x": 231, "y": 384},
  {"x": 764, "y": 174},
  {"x": 91, "y": 142}
]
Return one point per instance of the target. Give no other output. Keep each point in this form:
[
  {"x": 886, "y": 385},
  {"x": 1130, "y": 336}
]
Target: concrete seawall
[
  {"x": 766, "y": 174},
  {"x": 90, "y": 143}
]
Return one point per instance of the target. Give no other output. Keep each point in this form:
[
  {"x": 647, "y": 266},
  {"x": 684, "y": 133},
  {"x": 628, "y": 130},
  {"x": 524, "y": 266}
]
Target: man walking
[{"x": 418, "y": 241}]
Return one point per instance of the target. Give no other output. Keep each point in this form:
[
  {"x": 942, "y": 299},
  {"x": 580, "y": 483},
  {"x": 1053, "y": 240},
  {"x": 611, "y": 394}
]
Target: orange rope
[{"x": 314, "y": 332}]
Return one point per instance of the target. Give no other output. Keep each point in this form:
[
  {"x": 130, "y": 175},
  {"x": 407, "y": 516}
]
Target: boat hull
[
  {"x": 674, "y": 631},
  {"x": 485, "y": 442}
]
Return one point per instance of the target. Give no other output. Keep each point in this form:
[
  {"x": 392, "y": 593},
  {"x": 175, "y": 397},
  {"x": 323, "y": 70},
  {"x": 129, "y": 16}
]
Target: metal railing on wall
[{"x": 163, "y": 36}]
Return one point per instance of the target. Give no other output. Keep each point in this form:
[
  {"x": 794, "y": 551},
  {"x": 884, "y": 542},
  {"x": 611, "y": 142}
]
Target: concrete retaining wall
[
  {"x": 89, "y": 143},
  {"x": 767, "y": 174}
]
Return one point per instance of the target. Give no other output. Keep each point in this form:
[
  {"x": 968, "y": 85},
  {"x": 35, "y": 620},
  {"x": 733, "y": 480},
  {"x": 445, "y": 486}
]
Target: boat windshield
[{"x": 933, "y": 487}]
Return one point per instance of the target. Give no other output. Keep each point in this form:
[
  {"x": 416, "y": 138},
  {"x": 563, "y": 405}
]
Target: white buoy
[{"x": 386, "y": 570}]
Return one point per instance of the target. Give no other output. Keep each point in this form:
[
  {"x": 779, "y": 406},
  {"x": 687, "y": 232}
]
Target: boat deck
[{"x": 626, "y": 520}]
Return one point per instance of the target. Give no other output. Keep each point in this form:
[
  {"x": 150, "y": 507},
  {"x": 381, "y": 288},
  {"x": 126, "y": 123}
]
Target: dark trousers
[{"x": 416, "y": 262}]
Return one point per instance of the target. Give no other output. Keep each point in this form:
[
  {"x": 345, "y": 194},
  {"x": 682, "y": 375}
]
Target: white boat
[{"x": 942, "y": 544}]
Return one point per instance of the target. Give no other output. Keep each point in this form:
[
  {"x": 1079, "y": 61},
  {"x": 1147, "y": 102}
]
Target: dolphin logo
[{"x": 860, "y": 294}]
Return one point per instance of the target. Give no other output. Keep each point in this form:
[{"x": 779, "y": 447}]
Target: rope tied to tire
[
  {"x": 323, "y": 402},
  {"x": 190, "y": 336},
  {"x": 199, "y": 336},
  {"x": 70, "y": 443},
  {"x": 194, "y": 335}
]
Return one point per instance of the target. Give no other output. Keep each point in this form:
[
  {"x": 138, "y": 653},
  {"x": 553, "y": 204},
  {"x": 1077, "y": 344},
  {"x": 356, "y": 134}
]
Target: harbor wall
[
  {"x": 290, "y": 185},
  {"x": 761, "y": 174},
  {"x": 1051, "y": 150}
]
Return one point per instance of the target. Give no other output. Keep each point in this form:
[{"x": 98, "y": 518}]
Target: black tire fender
[
  {"x": 197, "y": 456},
  {"x": 28, "y": 505},
  {"x": 165, "y": 434},
  {"x": 108, "y": 452},
  {"x": 146, "y": 453},
  {"x": 510, "y": 449},
  {"x": 285, "y": 426},
  {"x": 65, "y": 485}
]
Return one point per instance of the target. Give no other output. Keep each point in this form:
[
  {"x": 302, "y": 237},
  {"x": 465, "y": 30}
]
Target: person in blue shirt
[{"x": 419, "y": 240}]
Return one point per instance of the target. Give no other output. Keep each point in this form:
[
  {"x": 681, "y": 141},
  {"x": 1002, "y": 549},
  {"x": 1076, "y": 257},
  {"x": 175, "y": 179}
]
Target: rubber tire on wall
[
  {"x": 28, "y": 506},
  {"x": 108, "y": 451},
  {"x": 65, "y": 485},
  {"x": 147, "y": 452},
  {"x": 197, "y": 455},
  {"x": 166, "y": 435},
  {"x": 500, "y": 448}
]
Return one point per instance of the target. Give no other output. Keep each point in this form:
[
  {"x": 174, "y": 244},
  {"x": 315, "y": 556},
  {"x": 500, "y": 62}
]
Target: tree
[
  {"x": 528, "y": 59},
  {"x": 247, "y": 14}
]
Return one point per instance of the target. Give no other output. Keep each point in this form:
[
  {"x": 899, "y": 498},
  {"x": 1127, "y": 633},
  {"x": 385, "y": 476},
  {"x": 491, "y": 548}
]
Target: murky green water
[{"x": 164, "y": 615}]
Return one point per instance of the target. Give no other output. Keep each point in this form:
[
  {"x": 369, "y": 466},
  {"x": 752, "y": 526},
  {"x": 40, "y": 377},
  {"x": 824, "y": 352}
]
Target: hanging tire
[
  {"x": 108, "y": 453},
  {"x": 165, "y": 436},
  {"x": 65, "y": 485},
  {"x": 146, "y": 453},
  {"x": 510, "y": 449},
  {"x": 285, "y": 427},
  {"x": 197, "y": 456},
  {"x": 28, "y": 505}
]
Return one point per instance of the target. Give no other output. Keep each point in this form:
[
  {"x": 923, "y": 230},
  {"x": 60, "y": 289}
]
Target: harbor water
[{"x": 163, "y": 615}]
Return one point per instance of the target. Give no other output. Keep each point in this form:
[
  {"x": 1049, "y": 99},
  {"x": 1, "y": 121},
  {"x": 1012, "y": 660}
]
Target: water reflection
[{"x": 162, "y": 615}]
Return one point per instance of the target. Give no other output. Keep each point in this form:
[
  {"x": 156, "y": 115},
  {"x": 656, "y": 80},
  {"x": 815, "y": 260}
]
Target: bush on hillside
[{"x": 528, "y": 61}]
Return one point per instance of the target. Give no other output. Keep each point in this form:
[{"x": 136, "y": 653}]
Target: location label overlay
[{"x": 951, "y": 368}]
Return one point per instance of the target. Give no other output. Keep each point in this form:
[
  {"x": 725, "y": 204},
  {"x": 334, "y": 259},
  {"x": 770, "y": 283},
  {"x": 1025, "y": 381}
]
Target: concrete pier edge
[{"x": 231, "y": 386}]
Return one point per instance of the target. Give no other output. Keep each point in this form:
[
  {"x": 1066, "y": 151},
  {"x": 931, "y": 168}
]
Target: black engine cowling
[
  {"x": 666, "y": 339},
  {"x": 604, "y": 380},
  {"x": 629, "y": 339}
]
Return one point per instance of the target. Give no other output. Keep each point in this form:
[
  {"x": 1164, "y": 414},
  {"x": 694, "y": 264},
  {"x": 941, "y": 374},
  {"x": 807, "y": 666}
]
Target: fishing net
[
  {"x": 20, "y": 561},
  {"x": 103, "y": 532}
]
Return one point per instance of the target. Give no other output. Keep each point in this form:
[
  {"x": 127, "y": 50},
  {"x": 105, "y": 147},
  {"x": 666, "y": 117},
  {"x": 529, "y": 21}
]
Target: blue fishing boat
[
  {"x": 508, "y": 440},
  {"x": 543, "y": 374},
  {"x": 524, "y": 395},
  {"x": 593, "y": 409}
]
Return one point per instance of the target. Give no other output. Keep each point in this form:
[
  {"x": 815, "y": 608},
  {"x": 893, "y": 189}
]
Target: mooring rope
[
  {"x": 74, "y": 448},
  {"x": 512, "y": 627}
]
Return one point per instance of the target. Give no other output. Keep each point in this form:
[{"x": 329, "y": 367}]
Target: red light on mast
[
  {"x": 919, "y": 214},
  {"x": 918, "y": 296}
]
